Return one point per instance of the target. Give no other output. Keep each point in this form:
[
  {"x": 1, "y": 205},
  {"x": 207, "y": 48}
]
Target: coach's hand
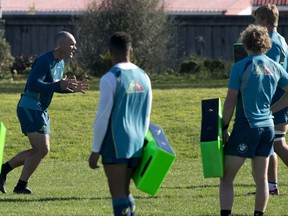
[
  {"x": 67, "y": 84},
  {"x": 93, "y": 160},
  {"x": 81, "y": 85}
]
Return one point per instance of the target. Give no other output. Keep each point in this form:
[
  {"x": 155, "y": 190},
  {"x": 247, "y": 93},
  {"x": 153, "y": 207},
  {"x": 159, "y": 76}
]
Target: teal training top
[
  {"x": 42, "y": 82},
  {"x": 256, "y": 78},
  {"x": 130, "y": 111}
]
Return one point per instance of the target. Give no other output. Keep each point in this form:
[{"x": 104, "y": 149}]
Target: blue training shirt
[
  {"x": 279, "y": 53},
  {"x": 130, "y": 111},
  {"x": 42, "y": 82},
  {"x": 256, "y": 78}
]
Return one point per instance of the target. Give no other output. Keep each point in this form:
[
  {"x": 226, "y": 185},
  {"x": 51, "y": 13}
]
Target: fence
[
  {"x": 214, "y": 36},
  {"x": 211, "y": 36},
  {"x": 31, "y": 35}
]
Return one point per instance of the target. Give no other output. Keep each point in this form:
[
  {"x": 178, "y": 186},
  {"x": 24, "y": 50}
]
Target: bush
[
  {"x": 73, "y": 68},
  {"x": 205, "y": 68},
  {"x": 22, "y": 64},
  {"x": 6, "y": 59},
  {"x": 145, "y": 20}
]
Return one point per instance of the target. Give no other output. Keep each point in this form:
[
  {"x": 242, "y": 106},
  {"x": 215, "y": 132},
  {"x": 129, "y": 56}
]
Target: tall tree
[{"x": 145, "y": 20}]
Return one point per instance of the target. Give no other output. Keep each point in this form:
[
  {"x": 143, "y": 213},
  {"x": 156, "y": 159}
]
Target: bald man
[{"x": 45, "y": 78}]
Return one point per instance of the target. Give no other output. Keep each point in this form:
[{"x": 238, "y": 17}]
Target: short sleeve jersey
[{"x": 256, "y": 78}]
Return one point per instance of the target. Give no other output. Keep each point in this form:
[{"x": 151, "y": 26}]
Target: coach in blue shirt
[{"x": 45, "y": 78}]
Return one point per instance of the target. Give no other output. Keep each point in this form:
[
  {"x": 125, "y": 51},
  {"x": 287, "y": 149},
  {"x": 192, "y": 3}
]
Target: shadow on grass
[
  {"x": 206, "y": 186},
  {"x": 29, "y": 199},
  {"x": 57, "y": 199}
]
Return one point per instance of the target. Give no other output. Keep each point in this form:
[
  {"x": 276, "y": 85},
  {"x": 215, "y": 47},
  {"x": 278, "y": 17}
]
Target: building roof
[
  {"x": 276, "y": 2},
  {"x": 208, "y": 7},
  {"x": 282, "y": 5},
  {"x": 44, "y": 6}
]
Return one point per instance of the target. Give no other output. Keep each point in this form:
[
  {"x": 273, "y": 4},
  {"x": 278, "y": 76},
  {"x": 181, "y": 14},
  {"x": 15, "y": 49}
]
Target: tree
[
  {"x": 6, "y": 59},
  {"x": 145, "y": 20}
]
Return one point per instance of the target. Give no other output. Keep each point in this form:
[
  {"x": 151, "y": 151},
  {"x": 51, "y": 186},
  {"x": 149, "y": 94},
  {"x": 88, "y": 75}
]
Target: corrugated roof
[
  {"x": 276, "y": 2},
  {"x": 171, "y": 6}
]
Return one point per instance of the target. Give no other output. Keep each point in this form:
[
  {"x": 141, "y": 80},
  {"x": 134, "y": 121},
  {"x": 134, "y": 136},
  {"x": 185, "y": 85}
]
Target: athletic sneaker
[
  {"x": 271, "y": 192},
  {"x": 2, "y": 183},
  {"x": 274, "y": 192},
  {"x": 26, "y": 190}
]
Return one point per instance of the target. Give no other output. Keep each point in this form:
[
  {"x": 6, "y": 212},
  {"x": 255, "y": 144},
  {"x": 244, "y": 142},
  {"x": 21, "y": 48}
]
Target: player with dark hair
[{"x": 121, "y": 122}]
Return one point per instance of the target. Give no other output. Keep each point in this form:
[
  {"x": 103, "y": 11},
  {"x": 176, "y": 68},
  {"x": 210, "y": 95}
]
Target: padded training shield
[
  {"x": 211, "y": 138},
  {"x": 157, "y": 158},
  {"x": 2, "y": 142}
]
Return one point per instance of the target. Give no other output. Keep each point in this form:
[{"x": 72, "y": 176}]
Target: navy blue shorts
[
  {"x": 131, "y": 162},
  {"x": 108, "y": 153},
  {"x": 250, "y": 142},
  {"x": 281, "y": 117},
  {"x": 33, "y": 120}
]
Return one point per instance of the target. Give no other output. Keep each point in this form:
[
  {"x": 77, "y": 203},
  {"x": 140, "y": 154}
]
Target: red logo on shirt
[{"x": 139, "y": 87}]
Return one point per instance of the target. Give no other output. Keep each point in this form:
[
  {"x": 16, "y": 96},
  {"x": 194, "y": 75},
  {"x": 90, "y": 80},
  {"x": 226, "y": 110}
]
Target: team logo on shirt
[
  {"x": 262, "y": 70},
  {"x": 134, "y": 87},
  {"x": 242, "y": 148}
]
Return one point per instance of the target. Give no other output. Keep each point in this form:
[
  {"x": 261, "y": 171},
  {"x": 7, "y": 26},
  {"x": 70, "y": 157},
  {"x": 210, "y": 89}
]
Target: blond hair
[
  {"x": 268, "y": 13},
  {"x": 256, "y": 39}
]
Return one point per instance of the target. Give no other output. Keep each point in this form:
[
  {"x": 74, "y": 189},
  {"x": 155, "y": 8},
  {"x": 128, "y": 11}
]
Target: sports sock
[
  {"x": 121, "y": 206},
  {"x": 6, "y": 168},
  {"x": 21, "y": 184},
  {"x": 258, "y": 213},
  {"x": 272, "y": 186},
  {"x": 226, "y": 213},
  {"x": 132, "y": 205}
]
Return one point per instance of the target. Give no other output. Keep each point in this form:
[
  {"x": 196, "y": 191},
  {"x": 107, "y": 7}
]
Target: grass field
[{"x": 65, "y": 186}]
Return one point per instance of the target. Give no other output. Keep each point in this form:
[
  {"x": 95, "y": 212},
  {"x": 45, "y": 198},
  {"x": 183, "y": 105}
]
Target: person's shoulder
[
  {"x": 45, "y": 57},
  {"x": 108, "y": 77},
  {"x": 125, "y": 66},
  {"x": 277, "y": 40}
]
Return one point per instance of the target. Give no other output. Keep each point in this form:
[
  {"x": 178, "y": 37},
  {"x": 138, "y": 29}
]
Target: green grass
[{"x": 65, "y": 186}]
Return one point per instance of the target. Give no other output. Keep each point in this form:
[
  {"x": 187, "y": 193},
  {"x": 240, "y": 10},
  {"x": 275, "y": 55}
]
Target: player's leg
[
  {"x": 117, "y": 180},
  {"x": 36, "y": 125},
  {"x": 273, "y": 174},
  {"x": 16, "y": 161},
  {"x": 40, "y": 148},
  {"x": 280, "y": 147},
  {"x": 232, "y": 165},
  {"x": 260, "y": 169},
  {"x": 132, "y": 165}
]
